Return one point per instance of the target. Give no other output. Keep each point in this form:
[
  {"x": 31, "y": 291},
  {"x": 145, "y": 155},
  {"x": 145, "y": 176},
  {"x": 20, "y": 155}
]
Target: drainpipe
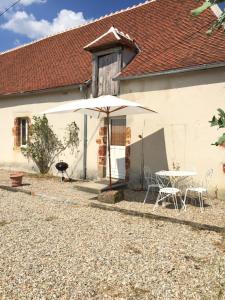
[
  {"x": 84, "y": 90},
  {"x": 85, "y": 148}
]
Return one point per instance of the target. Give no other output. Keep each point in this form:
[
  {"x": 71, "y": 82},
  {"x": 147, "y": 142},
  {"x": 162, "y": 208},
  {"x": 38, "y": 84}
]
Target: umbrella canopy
[
  {"x": 103, "y": 106},
  {"x": 99, "y": 107}
]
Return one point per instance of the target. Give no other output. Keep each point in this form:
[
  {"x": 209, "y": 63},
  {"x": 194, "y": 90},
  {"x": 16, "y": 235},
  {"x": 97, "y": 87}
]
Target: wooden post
[{"x": 109, "y": 152}]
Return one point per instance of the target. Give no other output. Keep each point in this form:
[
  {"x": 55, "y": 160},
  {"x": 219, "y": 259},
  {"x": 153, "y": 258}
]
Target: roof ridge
[{"x": 79, "y": 26}]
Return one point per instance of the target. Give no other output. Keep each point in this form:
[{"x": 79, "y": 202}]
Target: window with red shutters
[{"x": 21, "y": 131}]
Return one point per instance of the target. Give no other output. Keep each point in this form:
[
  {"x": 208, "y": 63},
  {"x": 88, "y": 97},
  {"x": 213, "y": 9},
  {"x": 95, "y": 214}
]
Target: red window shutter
[{"x": 16, "y": 132}]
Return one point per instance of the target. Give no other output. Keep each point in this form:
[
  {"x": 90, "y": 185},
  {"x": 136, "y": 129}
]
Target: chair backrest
[
  {"x": 147, "y": 172},
  {"x": 207, "y": 178},
  {"x": 163, "y": 181},
  {"x": 204, "y": 181},
  {"x": 150, "y": 177}
]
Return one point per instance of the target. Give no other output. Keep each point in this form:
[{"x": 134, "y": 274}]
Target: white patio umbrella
[{"x": 103, "y": 106}]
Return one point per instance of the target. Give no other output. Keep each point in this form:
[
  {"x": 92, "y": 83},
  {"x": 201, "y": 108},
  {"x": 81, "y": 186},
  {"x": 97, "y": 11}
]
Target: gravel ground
[{"x": 55, "y": 246}]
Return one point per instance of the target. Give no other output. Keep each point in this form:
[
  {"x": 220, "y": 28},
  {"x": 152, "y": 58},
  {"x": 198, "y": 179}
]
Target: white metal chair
[
  {"x": 168, "y": 193},
  {"x": 152, "y": 181},
  {"x": 201, "y": 190}
]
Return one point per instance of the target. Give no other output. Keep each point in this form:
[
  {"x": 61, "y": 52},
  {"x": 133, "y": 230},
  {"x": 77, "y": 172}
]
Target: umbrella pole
[{"x": 109, "y": 153}]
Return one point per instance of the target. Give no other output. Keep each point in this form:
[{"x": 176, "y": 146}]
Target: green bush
[
  {"x": 44, "y": 146},
  {"x": 219, "y": 121}
]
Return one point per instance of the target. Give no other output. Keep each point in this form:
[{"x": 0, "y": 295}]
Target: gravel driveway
[{"x": 56, "y": 246}]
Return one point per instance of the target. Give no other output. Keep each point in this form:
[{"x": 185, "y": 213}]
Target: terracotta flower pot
[{"x": 16, "y": 178}]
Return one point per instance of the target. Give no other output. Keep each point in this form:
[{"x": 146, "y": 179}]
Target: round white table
[
  {"x": 176, "y": 176},
  {"x": 175, "y": 173}
]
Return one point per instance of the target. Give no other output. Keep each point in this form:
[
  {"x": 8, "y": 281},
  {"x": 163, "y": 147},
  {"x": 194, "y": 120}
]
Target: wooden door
[
  {"x": 117, "y": 148},
  {"x": 108, "y": 67}
]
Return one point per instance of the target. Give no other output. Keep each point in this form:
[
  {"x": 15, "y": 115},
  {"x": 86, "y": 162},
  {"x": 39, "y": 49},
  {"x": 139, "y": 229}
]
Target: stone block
[
  {"x": 101, "y": 140},
  {"x": 102, "y": 131},
  {"x": 101, "y": 171},
  {"x": 104, "y": 140},
  {"x": 102, "y": 150},
  {"x": 111, "y": 197},
  {"x": 102, "y": 160},
  {"x": 128, "y": 133}
]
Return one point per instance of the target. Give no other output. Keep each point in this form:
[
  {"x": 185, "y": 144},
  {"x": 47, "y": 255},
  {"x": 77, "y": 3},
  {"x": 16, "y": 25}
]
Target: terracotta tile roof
[{"x": 167, "y": 36}]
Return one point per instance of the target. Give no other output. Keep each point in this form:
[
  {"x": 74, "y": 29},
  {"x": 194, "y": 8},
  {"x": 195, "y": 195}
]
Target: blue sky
[{"x": 32, "y": 19}]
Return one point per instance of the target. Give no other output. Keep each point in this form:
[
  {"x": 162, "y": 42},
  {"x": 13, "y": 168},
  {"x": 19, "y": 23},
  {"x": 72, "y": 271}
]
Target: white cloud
[
  {"x": 29, "y": 2},
  {"x": 6, "y": 3},
  {"x": 26, "y": 24}
]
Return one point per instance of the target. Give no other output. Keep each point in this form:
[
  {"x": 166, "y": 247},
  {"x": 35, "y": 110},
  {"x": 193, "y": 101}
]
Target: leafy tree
[
  {"x": 44, "y": 146},
  {"x": 220, "y": 122},
  {"x": 218, "y": 23}
]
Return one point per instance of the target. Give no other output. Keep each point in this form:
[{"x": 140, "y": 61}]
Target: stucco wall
[
  {"x": 179, "y": 134},
  {"x": 13, "y": 107}
]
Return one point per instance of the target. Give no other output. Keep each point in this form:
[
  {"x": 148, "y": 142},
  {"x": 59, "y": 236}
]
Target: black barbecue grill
[{"x": 62, "y": 167}]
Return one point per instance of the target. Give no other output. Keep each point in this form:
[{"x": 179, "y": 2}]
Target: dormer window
[{"x": 111, "y": 52}]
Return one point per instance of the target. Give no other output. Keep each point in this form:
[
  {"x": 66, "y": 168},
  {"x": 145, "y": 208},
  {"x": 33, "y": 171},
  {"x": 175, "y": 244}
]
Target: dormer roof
[{"x": 111, "y": 38}]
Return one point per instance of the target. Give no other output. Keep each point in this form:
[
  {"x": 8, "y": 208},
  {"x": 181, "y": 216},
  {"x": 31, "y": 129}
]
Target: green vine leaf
[
  {"x": 214, "y": 121},
  {"x": 220, "y": 122},
  {"x": 201, "y": 9}
]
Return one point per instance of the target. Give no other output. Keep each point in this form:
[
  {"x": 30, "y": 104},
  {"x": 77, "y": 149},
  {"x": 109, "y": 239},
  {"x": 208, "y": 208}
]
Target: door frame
[{"x": 119, "y": 146}]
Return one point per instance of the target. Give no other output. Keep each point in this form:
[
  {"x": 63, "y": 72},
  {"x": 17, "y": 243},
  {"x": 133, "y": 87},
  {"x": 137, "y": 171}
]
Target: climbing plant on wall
[{"x": 44, "y": 146}]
